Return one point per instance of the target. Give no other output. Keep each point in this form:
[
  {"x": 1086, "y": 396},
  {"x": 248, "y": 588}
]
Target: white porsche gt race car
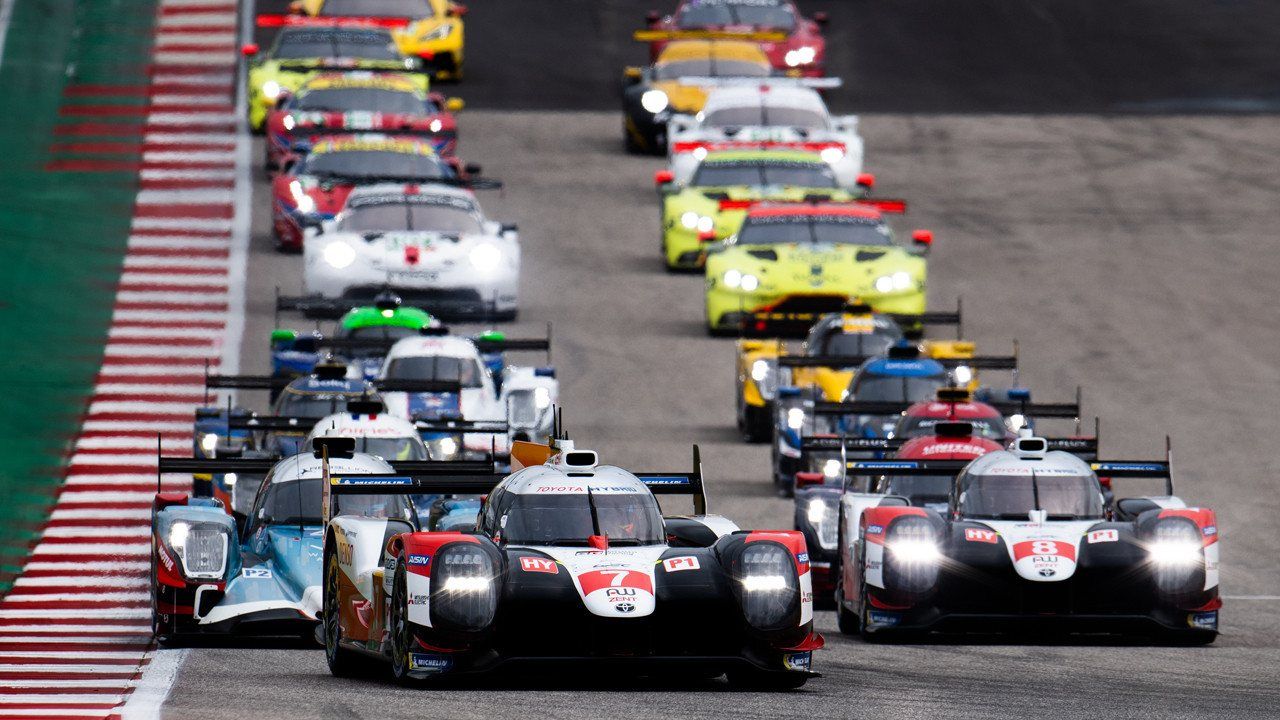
[
  {"x": 572, "y": 562},
  {"x": 763, "y": 116},
  {"x": 430, "y": 244},
  {"x": 515, "y": 405}
]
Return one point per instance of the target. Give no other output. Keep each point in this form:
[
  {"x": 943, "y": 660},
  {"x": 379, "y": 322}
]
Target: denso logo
[
  {"x": 980, "y": 535},
  {"x": 542, "y": 565}
]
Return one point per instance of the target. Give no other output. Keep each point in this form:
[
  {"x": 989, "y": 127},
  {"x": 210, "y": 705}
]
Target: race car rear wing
[
  {"x": 213, "y": 381},
  {"x": 784, "y": 325},
  {"x": 829, "y": 443},
  {"x": 485, "y": 344},
  {"x": 680, "y": 483},
  {"x": 884, "y": 205},
  {"x": 462, "y": 427},
  {"x": 822, "y": 83},
  {"x": 656, "y": 35},
  {"x": 275, "y": 20}
]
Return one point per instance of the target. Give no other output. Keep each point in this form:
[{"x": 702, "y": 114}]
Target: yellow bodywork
[
  {"x": 437, "y": 35},
  {"x": 689, "y": 99},
  {"x": 832, "y": 381}
]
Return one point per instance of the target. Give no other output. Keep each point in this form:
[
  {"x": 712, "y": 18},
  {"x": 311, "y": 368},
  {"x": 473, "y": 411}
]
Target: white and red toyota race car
[
  {"x": 766, "y": 115},
  {"x": 1030, "y": 539},
  {"x": 571, "y": 561}
]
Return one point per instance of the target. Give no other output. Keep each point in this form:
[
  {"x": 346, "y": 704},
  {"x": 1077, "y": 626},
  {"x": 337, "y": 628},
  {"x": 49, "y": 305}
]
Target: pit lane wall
[{"x": 119, "y": 223}]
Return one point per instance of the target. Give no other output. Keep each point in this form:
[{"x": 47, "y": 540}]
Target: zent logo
[
  {"x": 1101, "y": 536},
  {"x": 542, "y": 565},
  {"x": 686, "y": 562},
  {"x": 980, "y": 535}
]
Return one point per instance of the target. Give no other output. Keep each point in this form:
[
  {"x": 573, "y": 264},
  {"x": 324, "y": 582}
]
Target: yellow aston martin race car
[
  {"x": 298, "y": 54},
  {"x": 652, "y": 94},
  {"x": 799, "y": 257},
  {"x": 428, "y": 29},
  {"x": 835, "y": 345}
]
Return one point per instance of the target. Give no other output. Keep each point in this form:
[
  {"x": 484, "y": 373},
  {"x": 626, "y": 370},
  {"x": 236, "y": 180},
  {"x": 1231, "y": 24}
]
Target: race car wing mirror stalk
[{"x": 663, "y": 177}]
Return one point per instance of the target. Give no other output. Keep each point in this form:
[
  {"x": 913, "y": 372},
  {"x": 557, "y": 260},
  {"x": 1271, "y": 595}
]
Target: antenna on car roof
[
  {"x": 1168, "y": 460},
  {"x": 959, "y": 318},
  {"x": 1079, "y": 397},
  {"x": 206, "y": 381}
]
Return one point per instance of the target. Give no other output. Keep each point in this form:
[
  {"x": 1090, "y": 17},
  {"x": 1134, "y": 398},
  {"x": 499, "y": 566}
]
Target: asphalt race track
[{"x": 1132, "y": 253}]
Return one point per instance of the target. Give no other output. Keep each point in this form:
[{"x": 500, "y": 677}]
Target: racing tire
[
  {"x": 756, "y": 424},
  {"x": 342, "y": 661},
  {"x": 398, "y": 628},
  {"x": 629, "y": 143},
  {"x": 157, "y": 628},
  {"x": 864, "y": 615},
  {"x": 849, "y": 622},
  {"x": 765, "y": 680}
]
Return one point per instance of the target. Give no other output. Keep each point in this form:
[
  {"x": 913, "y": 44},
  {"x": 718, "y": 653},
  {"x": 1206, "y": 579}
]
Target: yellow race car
[
  {"x": 835, "y": 345},
  {"x": 428, "y": 29},
  {"x": 651, "y": 95}
]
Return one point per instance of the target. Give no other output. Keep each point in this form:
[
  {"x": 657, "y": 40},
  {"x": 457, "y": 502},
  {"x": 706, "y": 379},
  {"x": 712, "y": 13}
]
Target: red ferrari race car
[
  {"x": 315, "y": 186},
  {"x": 360, "y": 102},
  {"x": 793, "y": 43}
]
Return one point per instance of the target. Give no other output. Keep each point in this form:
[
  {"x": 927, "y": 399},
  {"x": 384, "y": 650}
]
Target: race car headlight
[
  {"x": 209, "y": 443},
  {"x": 749, "y": 283},
  {"x": 693, "y": 221},
  {"x": 802, "y": 55},
  {"x": 831, "y": 155},
  {"x": 732, "y": 279},
  {"x": 795, "y": 418},
  {"x": 485, "y": 257},
  {"x": 1176, "y": 553},
  {"x": 654, "y": 101},
  {"x": 831, "y": 468},
  {"x": 271, "y": 90},
  {"x": 301, "y": 200},
  {"x": 339, "y": 254},
  {"x": 542, "y": 398},
  {"x": 444, "y": 448},
  {"x": 438, "y": 33},
  {"x": 1015, "y": 422},
  {"x": 464, "y": 594},
  {"x": 962, "y": 374},
  {"x": 900, "y": 280},
  {"x": 912, "y": 555},
  {"x": 759, "y": 370},
  {"x": 699, "y": 154},
  {"x": 435, "y": 125},
  {"x": 768, "y": 588},
  {"x": 230, "y": 479},
  {"x": 822, "y": 515},
  {"x": 201, "y": 548},
  {"x": 289, "y": 123}
]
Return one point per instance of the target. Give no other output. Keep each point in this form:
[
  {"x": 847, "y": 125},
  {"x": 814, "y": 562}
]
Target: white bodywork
[
  {"x": 415, "y": 259},
  {"x": 482, "y": 402},
  {"x": 381, "y": 425},
  {"x": 838, "y": 141}
]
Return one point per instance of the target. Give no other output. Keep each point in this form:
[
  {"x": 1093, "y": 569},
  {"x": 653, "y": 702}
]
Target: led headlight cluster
[
  {"x": 1176, "y": 552},
  {"x": 900, "y": 280},
  {"x": 464, "y": 595},
  {"x": 736, "y": 280},
  {"x": 765, "y": 378},
  {"x": 654, "y": 101},
  {"x": 822, "y": 515},
  {"x": 200, "y": 547},
  {"x": 912, "y": 555},
  {"x": 768, "y": 588},
  {"x": 693, "y": 221},
  {"x": 802, "y": 55}
]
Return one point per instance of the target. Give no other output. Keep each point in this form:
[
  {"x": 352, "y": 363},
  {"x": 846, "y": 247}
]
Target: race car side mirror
[
  {"x": 249, "y": 49},
  {"x": 454, "y": 104},
  {"x": 652, "y": 17},
  {"x": 821, "y": 17},
  {"x": 296, "y": 8},
  {"x": 472, "y": 169},
  {"x": 923, "y": 240},
  {"x": 456, "y": 10},
  {"x": 707, "y": 236},
  {"x": 663, "y": 177},
  {"x": 505, "y": 228},
  {"x": 632, "y": 74},
  {"x": 866, "y": 181}
]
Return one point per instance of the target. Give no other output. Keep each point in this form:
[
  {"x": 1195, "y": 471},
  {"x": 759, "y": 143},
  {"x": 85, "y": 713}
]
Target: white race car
[
  {"x": 520, "y": 399},
  {"x": 763, "y": 116},
  {"x": 430, "y": 244},
  {"x": 376, "y": 432}
]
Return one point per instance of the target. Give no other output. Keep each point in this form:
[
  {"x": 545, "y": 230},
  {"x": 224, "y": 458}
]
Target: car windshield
[
  {"x": 401, "y": 448},
  {"x": 842, "y": 344},
  {"x": 991, "y": 428},
  {"x": 627, "y": 518},
  {"x": 887, "y": 388},
  {"x": 755, "y": 174},
  {"x": 763, "y": 115},
  {"x": 824, "y": 229},
  {"x": 710, "y": 67},
  {"x": 312, "y": 405},
  {"x": 375, "y": 164},
  {"x": 442, "y": 215},
  {"x": 1011, "y": 497},
  {"x": 436, "y": 367},
  {"x": 308, "y": 44},
  {"x": 360, "y": 99},
  {"x": 921, "y": 489},
  {"x": 415, "y": 9},
  {"x": 772, "y": 14}
]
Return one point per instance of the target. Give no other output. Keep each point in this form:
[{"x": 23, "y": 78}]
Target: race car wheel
[
  {"x": 398, "y": 627},
  {"x": 755, "y": 425},
  {"x": 157, "y": 626},
  {"x": 342, "y": 662},
  {"x": 847, "y": 620},
  {"x": 629, "y": 142},
  {"x": 764, "y": 680}
]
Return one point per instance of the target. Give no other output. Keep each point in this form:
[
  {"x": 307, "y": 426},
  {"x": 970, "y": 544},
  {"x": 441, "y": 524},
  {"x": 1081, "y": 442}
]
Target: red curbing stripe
[
  {"x": 138, "y": 111},
  {"x": 118, "y": 148},
  {"x": 185, "y": 184},
  {"x": 203, "y": 212},
  {"x": 190, "y": 398},
  {"x": 12, "y": 675},
  {"x": 91, "y": 166},
  {"x": 110, "y": 691},
  {"x": 196, "y": 10},
  {"x": 64, "y": 589},
  {"x": 92, "y": 90},
  {"x": 151, "y": 434},
  {"x": 174, "y": 270},
  {"x": 191, "y": 234},
  {"x": 102, "y": 129},
  {"x": 172, "y": 307},
  {"x": 173, "y": 287},
  {"x": 188, "y": 379},
  {"x": 145, "y": 487},
  {"x": 105, "y": 520}
]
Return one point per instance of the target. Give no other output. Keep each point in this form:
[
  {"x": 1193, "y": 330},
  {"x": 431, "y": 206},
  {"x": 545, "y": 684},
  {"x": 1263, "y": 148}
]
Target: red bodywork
[
  {"x": 806, "y": 33},
  {"x": 932, "y": 447},
  {"x": 440, "y": 129}
]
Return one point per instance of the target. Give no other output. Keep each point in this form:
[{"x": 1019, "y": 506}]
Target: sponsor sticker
[
  {"x": 875, "y": 529},
  {"x": 255, "y": 572},
  {"x": 1203, "y": 620},
  {"x": 798, "y": 661},
  {"x": 684, "y": 562},
  {"x": 419, "y": 560},
  {"x": 802, "y": 558},
  {"x": 419, "y": 599},
  {"x": 980, "y": 535},
  {"x": 625, "y": 607},
  {"x": 883, "y": 618},
  {"x": 1210, "y": 530},
  {"x": 542, "y": 565},
  {"x": 1101, "y": 536},
  {"x": 430, "y": 663}
]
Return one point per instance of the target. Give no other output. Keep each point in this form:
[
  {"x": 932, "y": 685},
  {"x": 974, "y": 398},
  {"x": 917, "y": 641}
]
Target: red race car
[
  {"x": 793, "y": 43},
  {"x": 360, "y": 102},
  {"x": 314, "y": 187}
]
